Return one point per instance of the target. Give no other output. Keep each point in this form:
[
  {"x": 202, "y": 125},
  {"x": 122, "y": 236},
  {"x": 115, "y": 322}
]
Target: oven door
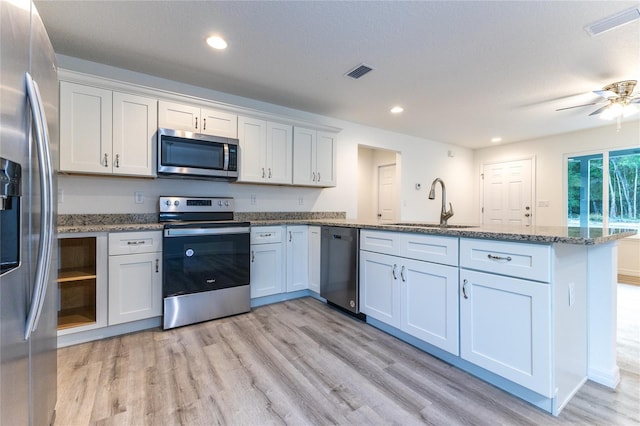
[{"x": 204, "y": 259}]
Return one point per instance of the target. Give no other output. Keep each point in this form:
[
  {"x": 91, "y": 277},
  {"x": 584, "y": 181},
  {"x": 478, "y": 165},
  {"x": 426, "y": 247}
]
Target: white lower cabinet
[
  {"x": 135, "y": 276},
  {"x": 297, "y": 258},
  {"x": 267, "y": 261},
  {"x": 505, "y": 328},
  {"x": 415, "y": 296}
]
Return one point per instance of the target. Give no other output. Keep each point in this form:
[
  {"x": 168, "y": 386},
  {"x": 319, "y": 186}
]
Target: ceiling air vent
[
  {"x": 613, "y": 21},
  {"x": 359, "y": 71}
]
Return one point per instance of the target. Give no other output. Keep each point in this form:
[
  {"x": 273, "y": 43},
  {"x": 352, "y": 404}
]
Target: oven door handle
[{"x": 179, "y": 232}]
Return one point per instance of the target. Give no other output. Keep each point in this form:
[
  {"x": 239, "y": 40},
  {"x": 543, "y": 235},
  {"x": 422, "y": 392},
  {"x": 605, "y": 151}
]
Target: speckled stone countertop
[{"x": 536, "y": 234}]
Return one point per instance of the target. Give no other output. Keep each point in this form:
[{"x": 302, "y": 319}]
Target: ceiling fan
[{"x": 620, "y": 100}]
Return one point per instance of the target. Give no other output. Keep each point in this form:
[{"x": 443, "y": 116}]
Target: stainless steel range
[{"x": 205, "y": 260}]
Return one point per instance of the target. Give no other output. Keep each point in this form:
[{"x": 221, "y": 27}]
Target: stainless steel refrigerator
[{"x": 28, "y": 153}]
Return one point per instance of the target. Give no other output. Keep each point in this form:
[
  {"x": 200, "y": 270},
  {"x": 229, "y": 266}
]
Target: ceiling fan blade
[
  {"x": 608, "y": 94},
  {"x": 577, "y": 106},
  {"x": 599, "y": 110}
]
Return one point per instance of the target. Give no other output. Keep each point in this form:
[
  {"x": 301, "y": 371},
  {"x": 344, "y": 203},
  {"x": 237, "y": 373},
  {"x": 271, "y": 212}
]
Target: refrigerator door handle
[{"x": 43, "y": 264}]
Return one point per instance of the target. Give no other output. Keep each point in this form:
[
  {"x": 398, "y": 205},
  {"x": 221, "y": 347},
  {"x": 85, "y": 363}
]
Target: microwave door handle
[{"x": 226, "y": 157}]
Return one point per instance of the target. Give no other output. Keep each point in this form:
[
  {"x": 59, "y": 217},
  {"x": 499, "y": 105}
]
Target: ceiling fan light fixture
[{"x": 618, "y": 110}]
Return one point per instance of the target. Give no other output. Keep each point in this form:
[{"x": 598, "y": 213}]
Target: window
[{"x": 603, "y": 189}]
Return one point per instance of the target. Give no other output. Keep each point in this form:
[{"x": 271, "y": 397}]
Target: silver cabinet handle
[
  {"x": 196, "y": 122},
  {"x": 269, "y": 172},
  {"x": 404, "y": 279},
  {"x": 157, "y": 266},
  {"x": 265, "y": 235},
  {"x": 464, "y": 289},
  {"x": 290, "y": 236},
  {"x": 263, "y": 173},
  {"x": 499, "y": 258},
  {"x": 117, "y": 160},
  {"x": 253, "y": 256},
  {"x": 318, "y": 176},
  {"x": 134, "y": 243},
  {"x": 204, "y": 124},
  {"x": 393, "y": 271},
  {"x": 106, "y": 160},
  {"x": 314, "y": 176}
]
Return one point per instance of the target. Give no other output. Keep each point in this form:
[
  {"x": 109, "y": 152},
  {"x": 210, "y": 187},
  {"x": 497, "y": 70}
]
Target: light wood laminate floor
[{"x": 301, "y": 362}]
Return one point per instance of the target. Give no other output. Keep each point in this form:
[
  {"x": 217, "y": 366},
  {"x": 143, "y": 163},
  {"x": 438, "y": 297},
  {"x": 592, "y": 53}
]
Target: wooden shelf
[
  {"x": 68, "y": 318},
  {"x": 75, "y": 275}
]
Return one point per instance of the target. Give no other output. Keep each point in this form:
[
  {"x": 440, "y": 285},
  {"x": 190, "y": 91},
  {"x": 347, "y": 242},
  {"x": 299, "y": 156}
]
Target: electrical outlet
[
  {"x": 139, "y": 197},
  {"x": 60, "y": 196},
  {"x": 300, "y": 200},
  {"x": 254, "y": 201},
  {"x": 543, "y": 203}
]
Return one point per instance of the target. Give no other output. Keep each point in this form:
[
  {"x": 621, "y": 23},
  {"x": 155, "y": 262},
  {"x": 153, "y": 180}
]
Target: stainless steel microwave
[{"x": 196, "y": 155}]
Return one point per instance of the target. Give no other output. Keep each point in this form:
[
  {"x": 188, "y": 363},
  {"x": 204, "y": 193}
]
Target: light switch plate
[{"x": 139, "y": 197}]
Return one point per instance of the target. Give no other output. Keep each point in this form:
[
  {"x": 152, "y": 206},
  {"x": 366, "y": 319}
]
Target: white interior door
[
  {"x": 387, "y": 192},
  {"x": 507, "y": 193}
]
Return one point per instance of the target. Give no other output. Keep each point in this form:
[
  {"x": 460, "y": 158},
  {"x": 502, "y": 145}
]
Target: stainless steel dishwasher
[{"x": 339, "y": 267}]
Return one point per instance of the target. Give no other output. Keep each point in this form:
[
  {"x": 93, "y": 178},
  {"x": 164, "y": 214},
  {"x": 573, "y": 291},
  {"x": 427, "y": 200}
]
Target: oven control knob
[
  {"x": 220, "y": 203},
  {"x": 176, "y": 203},
  {"x": 226, "y": 203},
  {"x": 168, "y": 202}
]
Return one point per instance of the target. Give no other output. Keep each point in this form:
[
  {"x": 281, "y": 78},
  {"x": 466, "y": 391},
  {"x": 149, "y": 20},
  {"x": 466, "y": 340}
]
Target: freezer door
[
  {"x": 43, "y": 339},
  {"x": 14, "y": 285}
]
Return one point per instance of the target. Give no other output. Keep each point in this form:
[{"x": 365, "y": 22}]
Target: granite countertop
[{"x": 536, "y": 234}]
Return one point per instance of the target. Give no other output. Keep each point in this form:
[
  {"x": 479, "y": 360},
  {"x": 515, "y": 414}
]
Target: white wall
[
  {"x": 550, "y": 153},
  {"x": 422, "y": 159}
]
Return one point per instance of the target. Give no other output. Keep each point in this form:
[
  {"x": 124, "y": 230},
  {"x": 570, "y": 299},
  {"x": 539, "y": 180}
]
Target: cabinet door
[
  {"x": 252, "y": 134},
  {"x": 304, "y": 161},
  {"x": 85, "y": 129},
  {"x": 219, "y": 123},
  {"x": 380, "y": 287},
  {"x": 135, "y": 287},
  {"x": 430, "y": 303},
  {"x": 505, "y": 328},
  {"x": 326, "y": 159},
  {"x": 279, "y": 153},
  {"x": 297, "y": 258},
  {"x": 314, "y": 258},
  {"x": 135, "y": 121},
  {"x": 267, "y": 270},
  {"x": 178, "y": 116}
]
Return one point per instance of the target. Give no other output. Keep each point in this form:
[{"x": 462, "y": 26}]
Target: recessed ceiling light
[
  {"x": 496, "y": 140},
  {"x": 217, "y": 42},
  {"x": 396, "y": 110}
]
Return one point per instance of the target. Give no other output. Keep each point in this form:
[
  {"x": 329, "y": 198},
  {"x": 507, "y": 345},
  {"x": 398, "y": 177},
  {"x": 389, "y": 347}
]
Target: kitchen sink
[{"x": 433, "y": 225}]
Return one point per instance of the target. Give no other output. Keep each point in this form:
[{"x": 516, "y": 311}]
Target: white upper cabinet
[
  {"x": 314, "y": 157},
  {"x": 106, "y": 132},
  {"x": 265, "y": 151},
  {"x": 135, "y": 122},
  {"x": 199, "y": 120}
]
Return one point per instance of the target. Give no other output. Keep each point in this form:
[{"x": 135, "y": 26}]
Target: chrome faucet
[{"x": 444, "y": 214}]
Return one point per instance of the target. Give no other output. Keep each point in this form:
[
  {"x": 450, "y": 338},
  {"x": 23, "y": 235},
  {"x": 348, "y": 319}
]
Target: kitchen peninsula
[{"x": 531, "y": 310}]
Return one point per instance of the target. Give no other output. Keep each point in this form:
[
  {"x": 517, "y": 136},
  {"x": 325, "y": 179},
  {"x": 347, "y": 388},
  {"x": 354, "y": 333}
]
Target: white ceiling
[{"x": 465, "y": 71}]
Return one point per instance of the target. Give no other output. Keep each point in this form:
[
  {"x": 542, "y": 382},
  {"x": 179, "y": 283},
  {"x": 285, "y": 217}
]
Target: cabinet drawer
[
  {"x": 523, "y": 260},
  {"x": 134, "y": 242},
  {"x": 267, "y": 234},
  {"x": 430, "y": 248},
  {"x": 380, "y": 242}
]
